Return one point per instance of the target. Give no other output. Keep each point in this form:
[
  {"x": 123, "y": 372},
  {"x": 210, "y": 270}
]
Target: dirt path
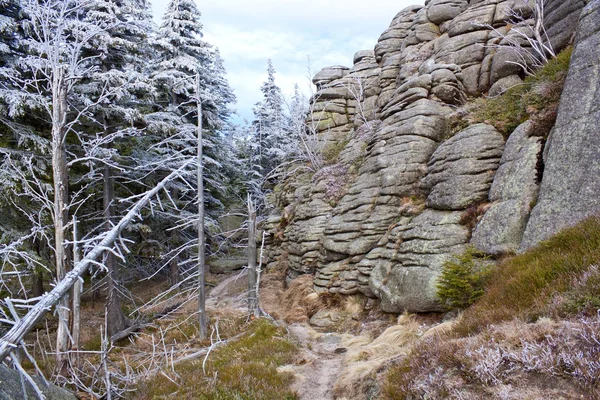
[
  {"x": 322, "y": 359},
  {"x": 229, "y": 293},
  {"x": 321, "y": 355}
]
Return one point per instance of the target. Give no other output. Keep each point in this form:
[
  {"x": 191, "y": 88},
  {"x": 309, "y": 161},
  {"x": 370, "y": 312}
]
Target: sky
[{"x": 290, "y": 33}]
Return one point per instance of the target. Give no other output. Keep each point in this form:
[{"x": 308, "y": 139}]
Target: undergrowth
[
  {"x": 525, "y": 286},
  {"x": 535, "y": 332},
  {"x": 243, "y": 369},
  {"x": 537, "y": 100}
]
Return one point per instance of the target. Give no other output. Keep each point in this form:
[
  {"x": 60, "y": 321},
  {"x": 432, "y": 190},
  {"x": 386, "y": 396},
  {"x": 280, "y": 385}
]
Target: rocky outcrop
[
  {"x": 401, "y": 192},
  {"x": 571, "y": 185}
]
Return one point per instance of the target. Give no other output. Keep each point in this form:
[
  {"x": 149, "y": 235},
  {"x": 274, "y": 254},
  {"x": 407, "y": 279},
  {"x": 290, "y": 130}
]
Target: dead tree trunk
[
  {"x": 61, "y": 200},
  {"x": 116, "y": 320},
  {"x": 77, "y": 289},
  {"x": 202, "y": 320},
  {"x": 15, "y": 335},
  {"x": 174, "y": 242},
  {"x": 253, "y": 307}
]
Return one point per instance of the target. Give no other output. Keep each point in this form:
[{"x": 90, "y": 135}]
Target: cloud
[{"x": 288, "y": 32}]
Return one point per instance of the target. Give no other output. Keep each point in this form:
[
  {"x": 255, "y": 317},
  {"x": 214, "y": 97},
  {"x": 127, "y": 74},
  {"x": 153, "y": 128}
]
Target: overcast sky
[{"x": 248, "y": 32}]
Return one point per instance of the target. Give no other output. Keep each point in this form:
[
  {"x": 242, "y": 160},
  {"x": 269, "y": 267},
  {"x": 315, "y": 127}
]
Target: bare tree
[
  {"x": 253, "y": 306},
  {"x": 527, "y": 41},
  {"x": 54, "y": 67},
  {"x": 99, "y": 244}
]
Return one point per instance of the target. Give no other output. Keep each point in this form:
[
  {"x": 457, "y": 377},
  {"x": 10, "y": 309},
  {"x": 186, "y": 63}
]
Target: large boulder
[
  {"x": 11, "y": 389},
  {"x": 461, "y": 170},
  {"x": 407, "y": 266},
  {"x": 570, "y": 189},
  {"x": 440, "y": 11}
]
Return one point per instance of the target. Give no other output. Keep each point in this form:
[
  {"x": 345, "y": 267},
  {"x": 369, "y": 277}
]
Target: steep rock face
[
  {"x": 512, "y": 194},
  {"x": 571, "y": 185},
  {"x": 387, "y": 212}
]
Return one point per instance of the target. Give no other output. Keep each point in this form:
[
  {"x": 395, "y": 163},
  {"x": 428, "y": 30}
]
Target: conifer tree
[
  {"x": 183, "y": 55},
  {"x": 271, "y": 127},
  {"x": 120, "y": 57}
]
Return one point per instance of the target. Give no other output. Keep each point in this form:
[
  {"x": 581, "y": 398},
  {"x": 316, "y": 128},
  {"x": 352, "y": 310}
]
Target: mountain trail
[{"x": 321, "y": 362}]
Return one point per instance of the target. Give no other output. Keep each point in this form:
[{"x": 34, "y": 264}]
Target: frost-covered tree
[
  {"x": 182, "y": 56},
  {"x": 46, "y": 79},
  {"x": 271, "y": 127},
  {"x": 9, "y": 30},
  {"x": 120, "y": 57}
]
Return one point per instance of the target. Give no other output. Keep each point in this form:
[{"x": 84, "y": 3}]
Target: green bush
[{"x": 462, "y": 280}]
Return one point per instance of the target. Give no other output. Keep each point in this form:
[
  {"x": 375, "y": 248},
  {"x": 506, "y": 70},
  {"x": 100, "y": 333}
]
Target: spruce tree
[
  {"x": 119, "y": 57},
  {"x": 271, "y": 127},
  {"x": 182, "y": 55}
]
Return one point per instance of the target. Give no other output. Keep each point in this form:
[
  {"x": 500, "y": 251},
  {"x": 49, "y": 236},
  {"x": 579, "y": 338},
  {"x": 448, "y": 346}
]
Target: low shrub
[
  {"x": 462, "y": 279},
  {"x": 525, "y": 285}
]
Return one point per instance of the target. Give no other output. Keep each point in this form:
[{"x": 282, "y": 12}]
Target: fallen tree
[{"x": 21, "y": 327}]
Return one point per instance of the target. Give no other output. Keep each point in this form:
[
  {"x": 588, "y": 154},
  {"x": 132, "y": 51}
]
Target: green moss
[
  {"x": 525, "y": 286},
  {"x": 243, "y": 369},
  {"x": 536, "y": 100},
  {"x": 332, "y": 151}
]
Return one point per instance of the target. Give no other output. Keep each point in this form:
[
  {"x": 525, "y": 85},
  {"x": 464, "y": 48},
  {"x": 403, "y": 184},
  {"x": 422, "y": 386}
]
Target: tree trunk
[
  {"x": 202, "y": 320},
  {"x": 77, "y": 288},
  {"x": 173, "y": 245},
  {"x": 37, "y": 286},
  {"x": 116, "y": 319},
  {"x": 61, "y": 200},
  {"x": 252, "y": 289}
]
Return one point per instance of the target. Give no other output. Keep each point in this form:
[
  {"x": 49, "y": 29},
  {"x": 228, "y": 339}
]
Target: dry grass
[
  {"x": 366, "y": 356},
  {"x": 296, "y": 303},
  {"x": 243, "y": 369}
]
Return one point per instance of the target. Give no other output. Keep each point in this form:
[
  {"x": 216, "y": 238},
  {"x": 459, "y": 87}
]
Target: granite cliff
[{"x": 403, "y": 190}]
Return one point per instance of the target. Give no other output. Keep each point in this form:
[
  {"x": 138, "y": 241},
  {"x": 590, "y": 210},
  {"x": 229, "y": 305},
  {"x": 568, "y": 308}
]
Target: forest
[
  {"x": 119, "y": 161},
  {"x": 424, "y": 223}
]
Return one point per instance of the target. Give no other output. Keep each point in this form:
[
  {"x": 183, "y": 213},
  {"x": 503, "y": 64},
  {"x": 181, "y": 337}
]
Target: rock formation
[
  {"x": 402, "y": 192},
  {"x": 570, "y": 189}
]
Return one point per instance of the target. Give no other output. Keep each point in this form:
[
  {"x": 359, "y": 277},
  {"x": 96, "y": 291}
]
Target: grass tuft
[{"x": 536, "y": 100}]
